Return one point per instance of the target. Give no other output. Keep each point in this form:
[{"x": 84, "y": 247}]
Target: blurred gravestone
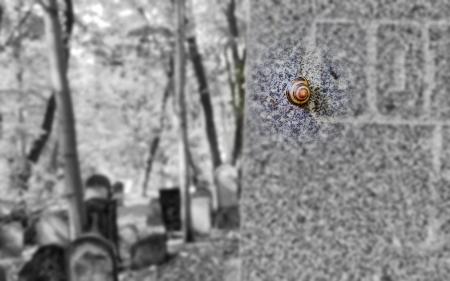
[
  {"x": 363, "y": 193},
  {"x": 154, "y": 217},
  {"x": 97, "y": 186},
  {"x": 152, "y": 250},
  {"x": 128, "y": 236},
  {"x": 118, "y": 193},
  {"x": 170, "y": 205},
  {"x": 226, "y": 177},
  {"x": 46, "y": 264},
  {"x": 201, "y": 221},
  {"x": 101, "y": 216},
  {"x": 3, "y": 276},
  {"x": 91, "y": 258},
  {"x": 52, "y": 227},
  {"x": 11, "y": 239},
  {"x": 101, "y": 209}
]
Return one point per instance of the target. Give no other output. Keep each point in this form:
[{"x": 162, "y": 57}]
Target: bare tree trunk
[
  {"x": 180, "y": 95},
  {"x": 66, "y": 118},
  {"x": 39, "y": 143},
  {"x": 154, "y": 144},
  {"x": 239, "y": 80},
  {"x": 205, "y": 100}
]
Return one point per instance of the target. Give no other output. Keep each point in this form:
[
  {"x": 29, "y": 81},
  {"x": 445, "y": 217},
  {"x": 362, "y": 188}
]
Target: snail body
[{"x": 299, "y": 92}]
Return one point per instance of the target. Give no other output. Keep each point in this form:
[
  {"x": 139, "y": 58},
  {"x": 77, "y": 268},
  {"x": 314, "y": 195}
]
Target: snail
[{"x": 299, "y": 92}]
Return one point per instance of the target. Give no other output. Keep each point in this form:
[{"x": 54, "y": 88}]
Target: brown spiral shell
[{"x": 299, "y": 93}]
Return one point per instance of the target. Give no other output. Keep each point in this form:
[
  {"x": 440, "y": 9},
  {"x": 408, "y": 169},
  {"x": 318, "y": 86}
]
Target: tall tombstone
[
  {"x": 102, "y": 218},
  {"x": 91, "y": 257},
  {"x": 356, "y": 190},
  {"x": 101, "y": 208},
  {"x": 170, "y": 200},
  {"x": 3, "y": 273},
  {"x": 118, "y": 193}
]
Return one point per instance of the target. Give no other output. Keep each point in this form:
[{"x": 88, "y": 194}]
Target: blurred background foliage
[{"x": 119, "y": 70}]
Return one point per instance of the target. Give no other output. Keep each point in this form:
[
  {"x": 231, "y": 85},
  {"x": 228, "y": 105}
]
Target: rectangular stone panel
[
  {"x": 351, "y": 207},
  {"x": 439, "y": 46},
  {"x": 347, "y": 45},
  {"x": 354, "y": 10},
  {"x": 361, "y": 10},
  {"x": 400, "y": 83},
  {"x": 419, "y": 10},
  {"x": 445, "y": 153}
]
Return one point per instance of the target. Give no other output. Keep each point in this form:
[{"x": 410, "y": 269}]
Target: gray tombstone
[
  {"x": 201, "y": 211},
  {"x": 128, "y": 236},
  {"x": 3, "y": 274},
  {"x": 154, "y": 217},
  {"x": 11, "y": 239},
  {"x": 91, "y": 257},
  {"x": 151, "y": 250},
  {"x": 53, "y": 228},
  {"x": 46, "y": 264},
  {"x": 342, "y": 194},
  {"x": 97, "y": 186}
]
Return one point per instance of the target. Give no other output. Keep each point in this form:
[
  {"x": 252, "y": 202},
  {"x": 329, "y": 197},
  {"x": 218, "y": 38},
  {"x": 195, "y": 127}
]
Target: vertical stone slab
[
  {"x": 399, "y": 71},
  {"x": 363, "y": 204},
  {"x": 439, "y": 45}
]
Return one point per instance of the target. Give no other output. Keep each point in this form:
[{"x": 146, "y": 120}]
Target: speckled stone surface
[
  {"x": 400, "y": 70},
  {"x": 384, "y": 9},
  {"x": 440, "y": 46},
  {"x": 365, "y": 195}
]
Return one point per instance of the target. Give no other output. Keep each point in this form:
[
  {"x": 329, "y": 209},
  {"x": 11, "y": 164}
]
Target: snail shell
[{"x": 299, "y": 93}]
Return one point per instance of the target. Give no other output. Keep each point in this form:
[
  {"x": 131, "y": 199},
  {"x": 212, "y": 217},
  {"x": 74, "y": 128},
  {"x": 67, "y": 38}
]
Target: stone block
[
  {"x": 3, "y": 274},
  {"x": 399, "y": 71},
  {"x": 439, "y": 46},
  {"x": 227, "y": 184},
  {"x": 170, "y": 200},
  {"x": 128, "y": 236},
  {"x": 354, "y": 10},
  {"x": 11, "y": 239},
  {"x": 361, "y": 10},
  {"x": 419, "y": 10},
  {"x": 338, "y": 207},
  {"x": 201, "y": 221},
  {"x": 47, "y": 264},
  {"x": 91, "y": 257},
  {"x": 154, "y": 217},
  {"x": 151, "y": 250}
]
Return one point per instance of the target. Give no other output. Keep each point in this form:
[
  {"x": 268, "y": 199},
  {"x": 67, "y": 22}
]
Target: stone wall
[{"x": 372, "y": 201}]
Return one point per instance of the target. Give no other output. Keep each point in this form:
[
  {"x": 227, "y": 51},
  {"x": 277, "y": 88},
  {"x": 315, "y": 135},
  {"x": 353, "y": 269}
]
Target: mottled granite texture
[{"x": 365, "y": 194}]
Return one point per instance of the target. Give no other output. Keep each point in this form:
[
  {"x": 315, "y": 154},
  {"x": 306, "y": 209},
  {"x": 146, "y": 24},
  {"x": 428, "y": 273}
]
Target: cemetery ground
[{"x": 211, "y": 256}]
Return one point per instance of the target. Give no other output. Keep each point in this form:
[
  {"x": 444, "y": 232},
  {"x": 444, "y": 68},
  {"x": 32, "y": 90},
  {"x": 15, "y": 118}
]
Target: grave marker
[
  {"x": 171, "y": 208},
  {"x": 90, "y": 258},
  {"x": 46, "y": 264},
  {"x": 151, "y": 250},
  {"x": 101, "y": 217}
]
